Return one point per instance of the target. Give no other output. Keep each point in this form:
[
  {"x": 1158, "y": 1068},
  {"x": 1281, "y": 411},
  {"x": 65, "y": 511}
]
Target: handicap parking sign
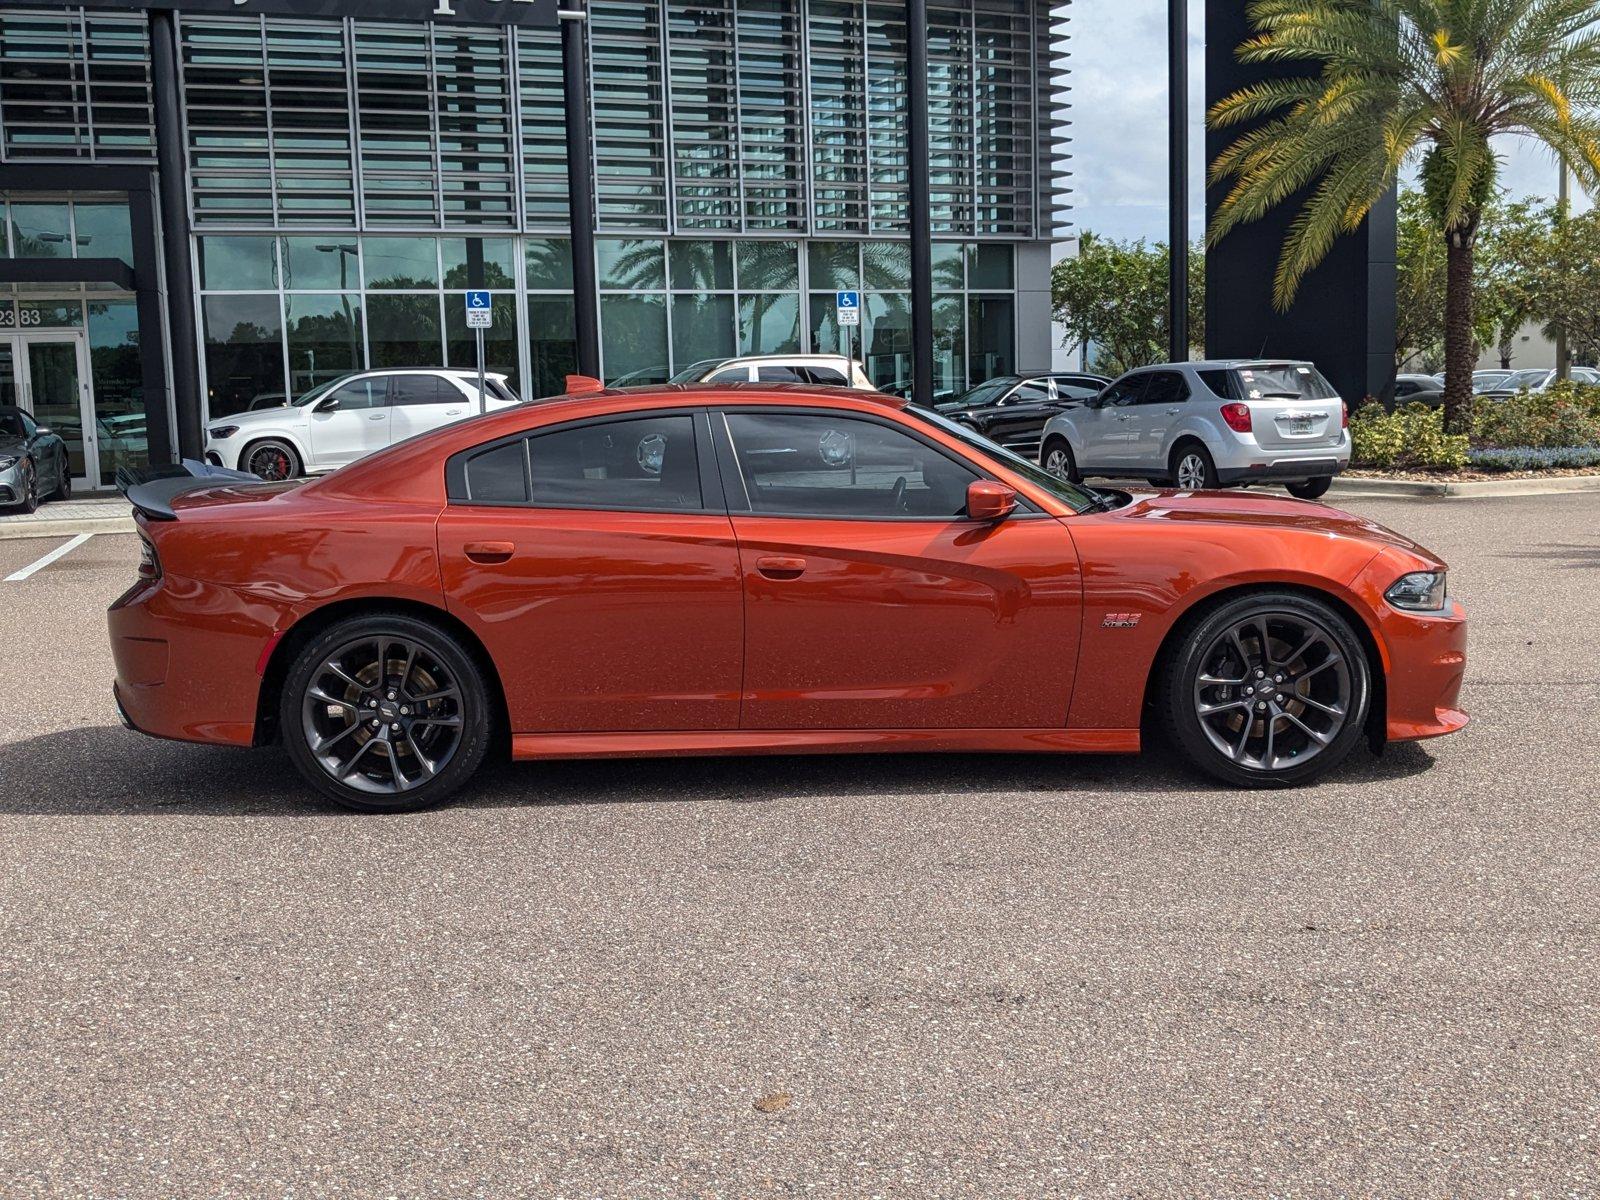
[
  {"x": 480, "y": 313},
  {"x": 847, "y": 307}
]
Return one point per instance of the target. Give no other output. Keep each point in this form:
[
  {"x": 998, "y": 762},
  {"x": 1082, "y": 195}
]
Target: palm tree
[{"x": 1397, "y": 81}]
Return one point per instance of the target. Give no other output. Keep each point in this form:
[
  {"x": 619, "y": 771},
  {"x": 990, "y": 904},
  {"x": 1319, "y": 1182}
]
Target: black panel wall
[{"x": 1344, "y": 317}]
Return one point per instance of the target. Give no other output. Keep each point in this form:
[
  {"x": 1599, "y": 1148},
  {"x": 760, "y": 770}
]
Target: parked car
[
  {"x": 1206, "y": 424},
  {"x": 1012, "y": 409},
  {"x": 348, "y": 418},
  {"x": 731, "y": 571},
  {"x": 832, "y": 370},
  {"x": 33, "y": 461},
  {"x": 1407, "y": 386},
  {"x": 1482, "y": 381},
  {"x": 1538, "y": 380}
]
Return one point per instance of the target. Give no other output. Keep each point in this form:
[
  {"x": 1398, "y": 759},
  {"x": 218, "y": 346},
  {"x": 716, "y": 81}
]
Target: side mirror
[
  {"x": 331, "y": 404},
  {"x": 988, "y": 500},
  {"x": 43, "y": 431}
]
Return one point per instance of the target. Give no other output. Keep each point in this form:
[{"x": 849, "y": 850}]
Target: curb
[
  {"x": 61, "y": 529},
  {"x": 1416, "y": 489}
]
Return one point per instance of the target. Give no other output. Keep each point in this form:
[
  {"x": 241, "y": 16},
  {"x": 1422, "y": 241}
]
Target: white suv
[
  {"x": 348, "y": 418},
  {"x": 832, "y": 370},
  {"x": 1206, "y": 424}
]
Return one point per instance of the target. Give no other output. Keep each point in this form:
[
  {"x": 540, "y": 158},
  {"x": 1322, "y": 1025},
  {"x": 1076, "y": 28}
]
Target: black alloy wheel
[
  {"x": 30, "y": 487},
  {"x": 1269, "y": 690},
  {"x": 385, "y": 714},
  {"x": 272, "y": 461}
]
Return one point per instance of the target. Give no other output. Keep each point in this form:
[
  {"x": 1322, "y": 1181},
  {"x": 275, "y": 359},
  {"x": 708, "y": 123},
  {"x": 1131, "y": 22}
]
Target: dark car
[
  {"x": 33, "y": 461},
  {"x": 1012, "y": 409}
]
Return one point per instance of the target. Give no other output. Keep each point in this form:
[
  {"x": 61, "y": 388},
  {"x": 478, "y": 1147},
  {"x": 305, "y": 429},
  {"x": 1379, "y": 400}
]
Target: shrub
[
  {"x": 1409, "y": 437},
  {"x": 1535, "y": 458},
  {"x": 1564, "y": 415}
]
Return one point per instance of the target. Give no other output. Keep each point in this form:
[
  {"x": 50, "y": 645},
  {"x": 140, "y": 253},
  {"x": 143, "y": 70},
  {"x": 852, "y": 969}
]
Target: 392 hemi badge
[{"x": 1122, "y": 620}]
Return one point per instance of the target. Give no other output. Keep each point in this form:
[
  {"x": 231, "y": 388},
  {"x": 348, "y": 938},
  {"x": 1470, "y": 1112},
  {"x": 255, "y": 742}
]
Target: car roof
[
  {"x": 1229, "y": 364},
  {"x": 787, "y": 358}
]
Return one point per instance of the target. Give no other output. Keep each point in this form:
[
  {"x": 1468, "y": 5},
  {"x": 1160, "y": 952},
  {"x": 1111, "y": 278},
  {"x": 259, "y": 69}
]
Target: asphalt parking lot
[{"x": 920, "y": 976}]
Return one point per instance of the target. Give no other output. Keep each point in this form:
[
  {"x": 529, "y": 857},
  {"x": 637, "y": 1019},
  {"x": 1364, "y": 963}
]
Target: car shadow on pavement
[
  {"x": 108, "y": 771},
  {"x": 1567, "y": 555}
]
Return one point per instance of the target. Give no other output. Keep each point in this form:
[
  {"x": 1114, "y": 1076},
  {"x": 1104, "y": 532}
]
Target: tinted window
[
  {"x": 1035, "y": 391},
  {"x": 1126, "y": 391},
  {"x": 11, "y": 425},
  {"x": 827, "y": 375},
  {"x": 827, "y": 465},
  {"x": 1222, "y": 383},
  {"x": 778, "y": 375},
  {"x": 501, "y": 392},
  {"x": 424, "y": 389},
  {"x": 645, "y": 464},
  {"x": 499, "y": 476},
  {"x": 362, "y": 393},
  {"x": 1165, "y": 387},
  {"x": 1076, "y": 391},
  {"x": 731, "y": 375}
]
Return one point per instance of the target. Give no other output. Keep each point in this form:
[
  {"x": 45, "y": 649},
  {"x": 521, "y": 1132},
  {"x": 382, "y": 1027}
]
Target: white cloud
[{"x": 1119, "y": 122}]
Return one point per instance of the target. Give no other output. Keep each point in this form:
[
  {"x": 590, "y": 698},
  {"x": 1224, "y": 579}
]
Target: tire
[
  {"x": 30, "y": 488},
  {"x": 64, "y": 482},
  {"x": 1192, "y": 468},
  {"x": 1310, "y": 489},
  {"x": 271, "y": 459},
  {"x": 429, "y": 748},
  {"x": 1223, "y": 730},
  {"x": 1060, "y": 450}
]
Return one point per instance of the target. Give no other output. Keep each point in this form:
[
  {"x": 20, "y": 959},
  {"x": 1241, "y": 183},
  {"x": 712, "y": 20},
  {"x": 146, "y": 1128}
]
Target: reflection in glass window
[
  {"x": 991, "y": 336},
  {"x": 828, "y": 465},
  {"x": 702, "y": 328},
  {"x": 401, "y": 263},
  {"x": 886, "y": 338},
  {"x": 549, "y": 264},
  {"x": 324, "y": 338},
  {"x": 41, "y": 230},
  {"x": 630, "y": 264},
  {"x": 497, "y": 257},
  {"x": 552, "y": 345},
  {"x": 237, "y": 264},
  {"x": 990, "y": 265},
  {"x": 633, "y": 339},
  {"x": 834, "y": 265},
  {"x": 403, "y": 331},
  {"x": 886, "y": 266},
  {"x": 768, "y": 266},
  {"x": 120, "y": 427},
  {"x": 769, "y": 324},
  {"x": 949, "y": 345},
  {"x": 701, "y": 266},
  {"x": 244, "y": 352},
  {"x": 321, "y": 262},
  {"x": 645, "y": 465},
  {"x": 103, "y": 230}
]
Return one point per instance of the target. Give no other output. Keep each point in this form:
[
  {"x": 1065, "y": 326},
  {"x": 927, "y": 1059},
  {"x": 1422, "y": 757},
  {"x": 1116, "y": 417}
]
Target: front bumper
[{"x": 1425, "y": 656}]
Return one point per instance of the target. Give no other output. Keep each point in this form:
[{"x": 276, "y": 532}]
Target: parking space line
[{"x": 39, "y": 564}]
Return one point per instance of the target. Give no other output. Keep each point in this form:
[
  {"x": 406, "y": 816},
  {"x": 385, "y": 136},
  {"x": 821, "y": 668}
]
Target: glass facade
[{"x": 348, "y": 177}]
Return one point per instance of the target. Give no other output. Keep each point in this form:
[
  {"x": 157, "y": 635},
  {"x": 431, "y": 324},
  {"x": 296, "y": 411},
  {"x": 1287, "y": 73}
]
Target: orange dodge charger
[{"x": 749, "y": 569}]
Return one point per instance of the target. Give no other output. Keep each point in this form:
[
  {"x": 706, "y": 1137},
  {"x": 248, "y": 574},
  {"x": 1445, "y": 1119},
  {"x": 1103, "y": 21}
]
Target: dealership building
[{"x": 216, "y": 204}]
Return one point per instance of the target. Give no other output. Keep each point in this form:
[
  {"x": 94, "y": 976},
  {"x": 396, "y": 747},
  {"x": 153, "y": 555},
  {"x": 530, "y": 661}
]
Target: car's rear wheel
[
  {"x": 1310, "y": 489},
  {"x": 272, "y": 459},
  {"x": 1268, "y": 690},
  {"x": 1057, "y": 458},
  {"x": 64, "y": 480},
  {"x": 385, "y": 713},
  {"x": 1192, "y": 468}
]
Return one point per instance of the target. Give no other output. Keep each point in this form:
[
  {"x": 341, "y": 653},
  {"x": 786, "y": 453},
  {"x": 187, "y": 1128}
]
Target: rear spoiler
[{"x": 152, "y": 491}]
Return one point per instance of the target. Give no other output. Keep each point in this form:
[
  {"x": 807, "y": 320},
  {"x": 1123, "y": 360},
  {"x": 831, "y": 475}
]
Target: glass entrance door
[{"x": 47, "y": 372}]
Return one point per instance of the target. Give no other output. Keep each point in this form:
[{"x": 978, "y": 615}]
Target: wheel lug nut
[
  {"x": 1249, "y": 691},
  {"x": 395, "y": 727},
  {"x": 1277, "y": 678},
  {"x": 1261, "y": 674},
  {"x": 1261, "y": 708},
  {"x": 391, "y": 695},
  {"x": 405, "y": 710},
  {"x": 374, "y": 724}
]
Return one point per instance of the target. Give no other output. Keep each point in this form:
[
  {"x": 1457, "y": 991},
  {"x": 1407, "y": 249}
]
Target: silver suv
[{"x": 1205, "y": 425}]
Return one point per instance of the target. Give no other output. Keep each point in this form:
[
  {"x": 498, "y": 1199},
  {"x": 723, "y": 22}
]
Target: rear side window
[
  {"x": 779, "y": 375},
  {"x": 500, "y": 475},
  {"x": 1222, "y": 383},
  {"x": 501, "y": 392},
  {"x": 423, "y": 389},
  {"x": 827, "y": 376},
  {"x": 731, "y": 375},
  {"x": 646, "y": 464}
]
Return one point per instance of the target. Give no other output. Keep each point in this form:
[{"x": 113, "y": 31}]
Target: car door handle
[
  {"x": 775, "y": 566},
  {"x": 1172, "y": 412},
  {"x": 489, "y": 552},
  {"x": 1124, "y": 416},
  {"x": 378, "y": 416},
  {"x": 452, "y": 412}
]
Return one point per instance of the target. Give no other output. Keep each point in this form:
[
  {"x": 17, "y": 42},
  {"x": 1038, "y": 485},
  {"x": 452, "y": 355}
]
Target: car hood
[
  {"x": 1246, "y": 508},
  {"x": 281, "y": 415},
  {"x": 13, "y": 446}
]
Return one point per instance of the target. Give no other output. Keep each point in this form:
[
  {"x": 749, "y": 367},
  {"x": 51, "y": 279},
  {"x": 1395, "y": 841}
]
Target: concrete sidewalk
[{"x": 101, "y": 513}]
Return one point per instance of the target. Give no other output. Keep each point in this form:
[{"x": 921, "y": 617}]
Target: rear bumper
[{"x": 1283, "y": 468}]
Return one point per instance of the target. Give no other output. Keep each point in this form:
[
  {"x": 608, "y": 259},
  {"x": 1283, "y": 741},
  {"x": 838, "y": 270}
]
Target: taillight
[
  {"x": 149, "y": 564},
  {"x": 1237, "y": 416}
]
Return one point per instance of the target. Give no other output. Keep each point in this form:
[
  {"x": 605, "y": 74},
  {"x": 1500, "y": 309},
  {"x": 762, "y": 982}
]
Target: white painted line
[{"x": 39, "y": 564}]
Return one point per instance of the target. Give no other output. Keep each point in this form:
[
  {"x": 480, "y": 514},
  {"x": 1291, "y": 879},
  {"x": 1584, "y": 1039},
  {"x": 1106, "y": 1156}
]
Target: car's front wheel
[
  {"x": 1268, "y": 690},
  {"x": 28, "y": 487},
  {"x": 1310, "y": 489},
  {"x": 1058, "y": 460},
  {"x": 385, "y": 713},
  {"x": 272, "y": 459}
]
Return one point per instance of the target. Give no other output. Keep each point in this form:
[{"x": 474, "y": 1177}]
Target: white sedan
[{"x": 347, "y": 419}]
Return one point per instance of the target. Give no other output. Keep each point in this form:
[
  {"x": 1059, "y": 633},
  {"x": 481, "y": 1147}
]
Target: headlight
[
  {"x": 1421, "y": 591},
  {"x": 7, "y": 462},
  {"x": 224, "y": 431}
]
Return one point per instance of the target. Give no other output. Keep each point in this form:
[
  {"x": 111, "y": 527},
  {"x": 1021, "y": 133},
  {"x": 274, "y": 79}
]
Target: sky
[{"x": 1119, "y": 122}]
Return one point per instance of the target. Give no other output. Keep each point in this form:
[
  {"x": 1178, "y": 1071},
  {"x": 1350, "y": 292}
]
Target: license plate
[{"x": 1302, "y": 424}]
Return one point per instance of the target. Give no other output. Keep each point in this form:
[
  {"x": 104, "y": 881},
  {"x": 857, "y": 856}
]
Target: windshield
[
  {"x": 1300, "y": 381},
  {"x": 985, "y": 393},
  {"x": 1077, "y": 498},
  {"x": 1524, "y": 379}
]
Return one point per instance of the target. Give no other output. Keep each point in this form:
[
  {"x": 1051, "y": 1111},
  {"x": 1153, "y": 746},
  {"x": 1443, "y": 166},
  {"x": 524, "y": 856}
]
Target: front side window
[
  {"x": 1126, "y": 391},
  {"x": 359, "y": 394},
  {"x": 830, "y": 465},
  {"x": 645, "y": 464}
]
